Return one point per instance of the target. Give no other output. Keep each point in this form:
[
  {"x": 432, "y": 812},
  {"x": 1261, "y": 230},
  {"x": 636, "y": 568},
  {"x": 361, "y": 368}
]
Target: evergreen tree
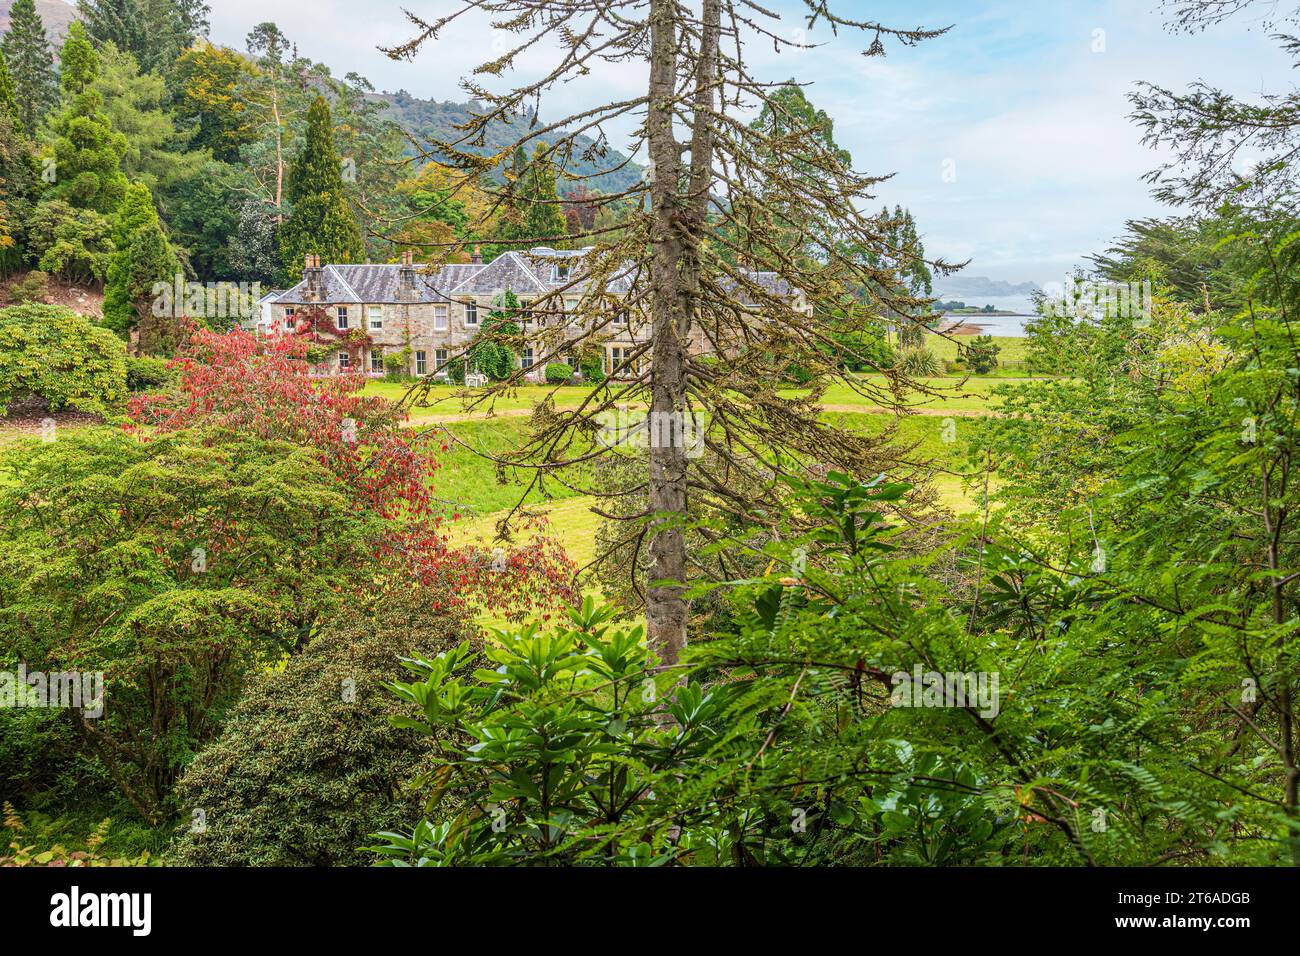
[
  {"x": 155, "y": 32},
  {"x": 17, "y": 184},
  {"x": 544, "y": 218},
  {"x": 8, "y": 102},
  {"x": 87, "y": 149},
  {"x": 78, "y": 63},
  {"x": 133, "y": 102},
  {"x": 141, "y": 257},
  {"x": 31, "y": 64},
  {"x": 17, "y": 174},
  {"x": 512, "y": 225},
  {"x": 321, "y": 221}
]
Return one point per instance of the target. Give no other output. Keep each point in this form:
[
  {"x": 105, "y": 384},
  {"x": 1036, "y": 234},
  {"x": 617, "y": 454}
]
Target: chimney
[
  {"x": 477, "y": 258},
  {"x": 406, "y": 276},
  {"x": 311, "y": 274}
]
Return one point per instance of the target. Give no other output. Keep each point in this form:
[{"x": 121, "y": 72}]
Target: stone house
[{"x": 435, "y": 314}]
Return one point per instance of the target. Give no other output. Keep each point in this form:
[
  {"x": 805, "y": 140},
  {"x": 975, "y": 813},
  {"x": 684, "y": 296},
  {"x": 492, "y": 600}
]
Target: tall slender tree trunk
[
  {"x": 666, "y": 607},
  {"x": 279, "y": 151},
  {"x": 677, "y": 229}
]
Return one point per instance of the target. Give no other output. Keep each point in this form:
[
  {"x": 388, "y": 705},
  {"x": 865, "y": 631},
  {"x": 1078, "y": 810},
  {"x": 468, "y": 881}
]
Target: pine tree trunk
[
  {"x": 675, "y": 277},
  {"x": 666, "y": 608}
]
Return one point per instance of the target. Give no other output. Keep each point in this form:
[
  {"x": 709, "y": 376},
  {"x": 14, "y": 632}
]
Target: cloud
[{"x": 1019, "y": 96}]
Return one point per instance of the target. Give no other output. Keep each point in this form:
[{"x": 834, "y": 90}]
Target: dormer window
[{"x": 559, "y": 272}]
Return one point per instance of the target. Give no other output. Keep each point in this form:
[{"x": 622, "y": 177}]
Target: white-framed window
[
  {"x": 471, "y": 313},
  {"x": 440, "y": 361},
  {"x": 376, "y": 316},
  {"x": 440, "y": 318},
  {"x": 290, "y": 317},
  {"x": 341, "y": 318},
  {"x": 421, "y": 364},
  {"x": 620, "y": 317},
  {"x": 345, "y": 361},
  {"x": 525, "y": 314},
  {"x": 376, "y": 360},
  {"x": 571, "y": 309},
  {"x": 617, "y": 356},
  {"x": 526, "y": 360},
  {"x": 560, "y": 271}
]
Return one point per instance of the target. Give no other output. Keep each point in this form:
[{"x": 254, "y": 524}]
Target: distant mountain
[
  {"x": 976, "y": 287},
  {"x": 426, "y": 119},
  {"x": 54, "y": 13}
]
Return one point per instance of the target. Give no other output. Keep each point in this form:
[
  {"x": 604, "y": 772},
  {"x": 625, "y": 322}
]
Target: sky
[{"x": 1008, "y": 137}]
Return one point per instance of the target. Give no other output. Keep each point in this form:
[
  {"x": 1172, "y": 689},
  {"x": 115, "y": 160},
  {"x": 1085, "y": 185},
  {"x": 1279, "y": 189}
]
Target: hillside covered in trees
[{"x": 433, "y": 120}]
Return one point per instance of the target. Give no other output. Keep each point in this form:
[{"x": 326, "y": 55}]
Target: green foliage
[
  {"x": 146, "y": 374},
  {"x": 918, "y": 361},
  {"x": 557, "y": 742},
  {"x": 203, "y": 217},
  {"x": 492, "y": 351},
  {"x": 982, "y": 354},
  {"x": 558, "y": 373},
  {"x": 207, "y": 82},
  {"x": 397, "y": 366},
  {"x": 52, "y": 353},
  {"x": 308, "y": 764},
  {"x": 18, "y": 182},
  {"x": 154, "y": 31},
  {"x": 87, "y": 150},
  {"x": 543, "y": 219},
  {"x": 591, "y": 363},
  {"x": 321, "y": 222},
  {"x": 27, "y": 52},
  {"x": 25, "y": 853},
  {"x": 78, "y": 62},
  {"x": 33, "y": 287},
  {"x": 141, "y": 257},
  {"x": 800, "y": 740},
  {"x": 8, "y": 102},
  {"x": 73, "y": 244},
  {"x": 163, "y": 564},
  {"x": 134, "y": 103}
]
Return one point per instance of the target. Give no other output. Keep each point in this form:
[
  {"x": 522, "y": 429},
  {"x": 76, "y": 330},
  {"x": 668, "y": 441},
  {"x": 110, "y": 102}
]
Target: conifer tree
[
  {"x": 30, "y": 60},
  {"x": 718, "y": 335},
  {"x": 155, "y": 32},
  {"x": 544, "y": 219},
  {"x": 17, "y": 174},
  {"x": 512, "y": 224},
  {"x": 141, "y": 257},
  {"x": 78, "y": 63},
  {"x": 321, "y": 221},
  {"x": 8, "y": 102},
  {"x": 87, "y": 150}
]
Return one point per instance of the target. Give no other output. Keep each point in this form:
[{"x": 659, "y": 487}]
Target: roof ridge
[
  {"x": 346, "y": 285},
  {"x": 527, "y": 268}
]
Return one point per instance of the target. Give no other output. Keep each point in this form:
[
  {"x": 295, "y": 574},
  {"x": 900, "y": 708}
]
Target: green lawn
[
  {"x": 469, "y": 483},
  {"x": 956, "y": 394},
  {"x": 453, "y": 399},
  {"x": 1014, "y": 351}
]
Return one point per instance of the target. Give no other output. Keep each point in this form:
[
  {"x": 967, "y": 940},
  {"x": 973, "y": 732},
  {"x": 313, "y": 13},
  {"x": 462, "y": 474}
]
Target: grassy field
[
  {"x": 472, "y": 485},
  {"x": 957, "y": 394},
  {"x": 1012, "y": 356}
]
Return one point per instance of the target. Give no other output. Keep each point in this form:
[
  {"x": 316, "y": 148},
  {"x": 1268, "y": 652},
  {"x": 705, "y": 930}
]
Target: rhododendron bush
[{"x": 240, "y": 382}]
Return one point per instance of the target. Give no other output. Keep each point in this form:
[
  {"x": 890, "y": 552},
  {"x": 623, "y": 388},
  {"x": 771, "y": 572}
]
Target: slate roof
[{"x": 525, "y": 273}]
